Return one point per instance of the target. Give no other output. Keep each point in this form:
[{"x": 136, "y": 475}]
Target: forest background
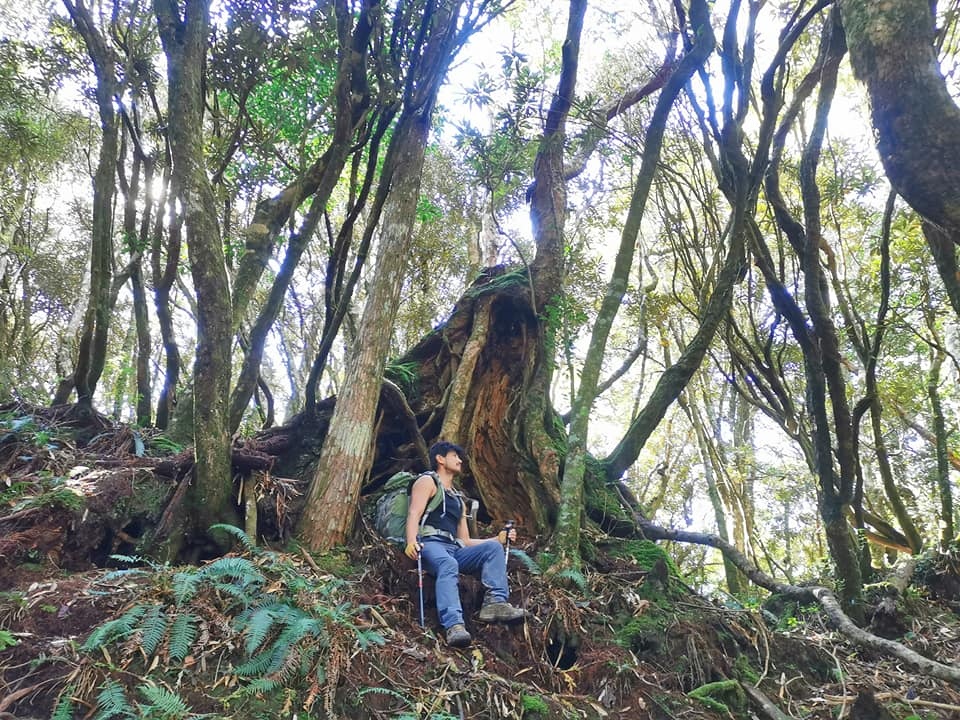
[{"x": 684, "y": 265}]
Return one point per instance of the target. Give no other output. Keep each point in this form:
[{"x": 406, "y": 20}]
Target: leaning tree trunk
[{"x": 331, "y": 501}]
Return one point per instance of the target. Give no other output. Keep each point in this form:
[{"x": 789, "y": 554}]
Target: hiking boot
[
  {"x": 502, "y": 612},
  {"x": 457, "y": 636}
]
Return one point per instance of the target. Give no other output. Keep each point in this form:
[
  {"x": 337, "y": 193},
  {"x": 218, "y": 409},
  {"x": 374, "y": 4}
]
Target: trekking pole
[
  {"x": 420, "y": 583},
  {"x": 507, "y": 527}
]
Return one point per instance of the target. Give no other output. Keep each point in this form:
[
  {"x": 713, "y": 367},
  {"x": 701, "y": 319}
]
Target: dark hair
[{"x": 442, "y": 448}]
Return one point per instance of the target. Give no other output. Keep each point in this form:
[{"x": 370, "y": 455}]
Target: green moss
[
  {"x": 642, "y": 632},
  {"x": 534, "y": 706},
  {"x": 403, "y": 375},
  {"x": 645, "y": 553},
  {"x": 725, "y": 696},
  {"x": 744, "y": 670},
  {"x": 513, "y": 278}
]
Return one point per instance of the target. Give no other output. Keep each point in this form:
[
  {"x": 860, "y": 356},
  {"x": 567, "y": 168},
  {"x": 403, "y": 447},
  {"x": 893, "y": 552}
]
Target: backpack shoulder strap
[{"x": 438, "y": 497}]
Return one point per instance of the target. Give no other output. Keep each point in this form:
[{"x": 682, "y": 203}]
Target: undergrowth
[{"x": 270, "y": 631}]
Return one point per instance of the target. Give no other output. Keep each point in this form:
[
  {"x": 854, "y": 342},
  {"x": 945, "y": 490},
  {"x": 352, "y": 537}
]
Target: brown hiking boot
[
  {"x": 457, "y": 636},
  {"x": 502, "y": 612}
]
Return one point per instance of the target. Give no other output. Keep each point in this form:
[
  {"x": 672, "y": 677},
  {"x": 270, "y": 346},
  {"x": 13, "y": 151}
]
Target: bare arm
[
  {"x": 423, "y": 489},
  {"x": 463, "y": 534}
]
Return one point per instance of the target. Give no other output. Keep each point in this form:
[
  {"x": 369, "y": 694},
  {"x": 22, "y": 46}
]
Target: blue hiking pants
[{"x": 445, "y": 560}]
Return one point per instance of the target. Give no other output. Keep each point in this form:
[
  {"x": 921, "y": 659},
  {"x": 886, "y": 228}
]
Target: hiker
[{"x": 449, "y": 550}]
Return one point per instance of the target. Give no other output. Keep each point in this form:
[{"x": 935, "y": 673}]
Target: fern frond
[
  {"x": 242, "y": 594},
  {"x": 185, "y": 585},
  {"x": 153, "y": 628},
  {"x": 113, "y": 630},
  {"x": 162, "y": 703},
  {"x": 257, "y": 625},
  {"x": 237, "y": 568},
  {"x": 366, "y": 638},
  {"x": 114, "y": 575},
  {"x": 260, "y": 686},
  {"x": 129, "y": 559},
  {"x": 64, "y": 707},
  {"x": 182, "y": 634},
  {"x": 575, "y": 576},
  {"x": 112, "y": 702},
  {"x": 237, "y": 534},
  {"x": 257, "y": 665},
  {"x": 528, "y": 562}
]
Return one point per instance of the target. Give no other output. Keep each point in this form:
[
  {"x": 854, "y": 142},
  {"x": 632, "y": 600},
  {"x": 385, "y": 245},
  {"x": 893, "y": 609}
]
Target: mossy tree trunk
[
  {"x": 184, "y": 39},
  {"x": 92, "y": 347}
]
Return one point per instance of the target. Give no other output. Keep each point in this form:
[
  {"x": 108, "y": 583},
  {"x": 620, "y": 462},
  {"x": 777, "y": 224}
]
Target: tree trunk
[
  {"x": 571, "y": 488},
  {"x": 348, "y": 447},
  {"x": 184, "y": 42},
  {"x": 917, "y": 123},
  {"x": 92, "y": 347}
]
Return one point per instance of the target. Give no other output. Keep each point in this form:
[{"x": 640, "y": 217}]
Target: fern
[
  {"x": 237, "y": 534},
  {"x": 366, "y": 638},
  {"x": 528, "y": 562},
  {"x": 64, "y": 707},
  {"x": 114, "y": 629},
  {"x": 112, "y": 702},
  {"x": 153, "y": 628},
  {"x": 260, "y": 686},
  {"x": 257, "y": 625},
  {"x": 162, "y": 703},
  {"x": 574, "y": 576},
  {"x": 257, "y": 665},
  {"x": 185, "y": 586},
  {"x": 182, "y": 634}
]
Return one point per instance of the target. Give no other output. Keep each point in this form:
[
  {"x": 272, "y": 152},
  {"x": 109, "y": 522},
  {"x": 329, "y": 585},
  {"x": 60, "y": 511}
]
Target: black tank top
[{"x": 447, "y": 519}]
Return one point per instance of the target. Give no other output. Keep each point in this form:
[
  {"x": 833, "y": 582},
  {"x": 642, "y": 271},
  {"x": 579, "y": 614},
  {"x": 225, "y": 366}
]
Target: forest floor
[{"x": 88, "y": 629}]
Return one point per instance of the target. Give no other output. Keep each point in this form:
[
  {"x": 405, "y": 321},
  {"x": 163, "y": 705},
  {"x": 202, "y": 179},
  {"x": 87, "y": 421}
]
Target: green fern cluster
[{"x": 297, "y": 634}]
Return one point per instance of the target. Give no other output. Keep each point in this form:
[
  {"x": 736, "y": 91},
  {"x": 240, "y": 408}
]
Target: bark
[
  {"x": 164, "y": 275},
  {"x": 453, "y": 420},
  {"x": 825, "y": 371},
  {"x": 571, "y": 489},
  {"x": 942, "y": 473},
  {"x": 184, "y": 41},
  {"x": 917, "y": 123},
  {"x": 548, "y": 196},
  {"x": 136, "y": 239},
  {"x": 348, "y": 446},
  {"x": 869, "y": 350},
  {"x": 92, "y": 347}
]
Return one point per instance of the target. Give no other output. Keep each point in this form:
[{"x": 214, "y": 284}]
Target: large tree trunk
[
  {"x": 917, "y": 123},
  {"x": 184, "y": 41}
]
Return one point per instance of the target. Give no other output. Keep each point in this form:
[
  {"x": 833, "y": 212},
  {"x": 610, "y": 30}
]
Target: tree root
[{"x": 821, "y": 595}]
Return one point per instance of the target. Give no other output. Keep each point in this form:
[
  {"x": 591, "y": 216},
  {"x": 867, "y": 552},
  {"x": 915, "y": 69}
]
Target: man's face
[{"x": 452, "y": 461}]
